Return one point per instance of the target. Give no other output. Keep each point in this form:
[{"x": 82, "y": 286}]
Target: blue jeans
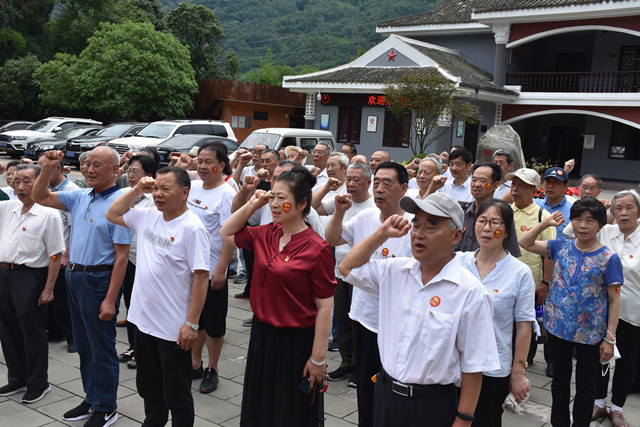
[{"x": 95, "y": 340}]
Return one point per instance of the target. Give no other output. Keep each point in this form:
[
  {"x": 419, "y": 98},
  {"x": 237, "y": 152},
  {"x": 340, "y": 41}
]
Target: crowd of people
[{"x": 435, "y": 280}]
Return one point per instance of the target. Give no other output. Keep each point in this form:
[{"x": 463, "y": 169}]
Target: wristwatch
[
  {"x": 465, "y": 417},
  {"x": 193, "y": 326}
]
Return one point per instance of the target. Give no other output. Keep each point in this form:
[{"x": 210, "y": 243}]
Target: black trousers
[
  {"x": 367, "y": 365},
  {"x": 628, "y": 339},
  {"x": 58, "y": 317},
  {"x": 588, "y": 367},
  {"x": 489, "y": 408},
  {"x": 23, "y": 327},
  {"x": 127, "y": 290},
  {"x": 163, "y": 379},
  {"x": 248, "y": 256},
  {"x": 344, "y": 337},
  {"x": 393, "y": 410}
]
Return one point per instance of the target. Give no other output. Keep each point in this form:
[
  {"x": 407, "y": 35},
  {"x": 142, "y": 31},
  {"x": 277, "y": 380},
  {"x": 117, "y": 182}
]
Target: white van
[{"x": 281, "y": 138}]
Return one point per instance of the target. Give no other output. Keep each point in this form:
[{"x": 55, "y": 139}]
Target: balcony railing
[{"x": 587, "y": 82}]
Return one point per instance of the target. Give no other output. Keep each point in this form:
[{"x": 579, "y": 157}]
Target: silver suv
[
  {"x": 157, "y": 132},
  {"x": 15, "y": 141}
]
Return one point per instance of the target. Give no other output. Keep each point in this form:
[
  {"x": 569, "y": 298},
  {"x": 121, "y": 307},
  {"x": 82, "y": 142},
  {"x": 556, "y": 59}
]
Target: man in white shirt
[
  {"x": 436, "y": 330},
  {"x": 460, "y": 164},
  {"x": 10, "y": 172},
  {"x": 504, "y": 159},
  {"x": 319, "y": 158},
  {"x": 171, "y": 281},
  {"x": 31, "y": 244},
  {"x": 336, "y": 184},
  {"x": 390, "y": 184}
]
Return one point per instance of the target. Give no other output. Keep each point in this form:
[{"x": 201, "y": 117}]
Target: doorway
[{"x": 566, "y": 143}]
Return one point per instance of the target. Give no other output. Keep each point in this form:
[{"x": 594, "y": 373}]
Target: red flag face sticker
[
  {"x": 618, "y": 289},
  {"x": 215, "y": 170},
  {"x": 385, "y": 252},
  {"x": 435, "y": 301},
  {"x": 286, "y": 206},
  {"x": 487, "y": 185},
  {"x": 497, "y": 234},
  {"x": 54, "y": 258}
]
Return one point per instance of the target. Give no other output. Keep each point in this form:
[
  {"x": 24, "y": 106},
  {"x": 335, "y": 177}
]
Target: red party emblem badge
[
  {"x": 523, "y": 228},
  {"x": 24, "y": 229},
  {"x": 495, "y": 291},
  {"x": 385, "y": 252},
  {"x": 618, "y": 289},
  {"x": 286, "y": 206},
  {"x": 54, "y": 258},
  {"x": 497, "y": 233},
  {"x": 286, "y": 259},
  {"x": 172, "y": 239},
  {"x": 630, "y": 256},
  {"x": 560, "y": 172},
  {"x": 435, "y": 301}
]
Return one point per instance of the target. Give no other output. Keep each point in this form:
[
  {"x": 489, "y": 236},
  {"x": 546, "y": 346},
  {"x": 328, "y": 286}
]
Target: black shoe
[
  {"x": 549, "y": 371},
  {"x": 209, "y": 381},
  {"x": 80, "y": 412},
  {"x": 71, "y": 348},
  {"x": 124, "y": 357},
  {"x": 352, "y": 381},
  {"x": 102, "y": 419},
  {"x": 241, "y": 295},
  {"x": 10, "y": 389},
  {"x": 196, "y": 374},
  {"x": 247, "y": 322},
  {"x": 241, "y": 278},
  {"x": 131, "y": 364},
  {"x": 231, "y": 273},
  {"x": 338, "y": 374},
  {"x": 54, "y": 338},
  {"x": 34, "y": 396},
  {"x": 333, "y": 345}
]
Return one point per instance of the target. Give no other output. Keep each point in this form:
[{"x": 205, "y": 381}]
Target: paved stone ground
[{"x": 222, "y": 407}]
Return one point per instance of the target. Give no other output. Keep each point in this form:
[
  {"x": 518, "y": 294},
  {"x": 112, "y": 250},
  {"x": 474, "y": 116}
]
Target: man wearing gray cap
[{"x": 435, "y": 330}]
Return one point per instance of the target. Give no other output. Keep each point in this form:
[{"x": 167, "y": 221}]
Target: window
[
  {"x": 625, "y": 142},
  {"x": 349, "y": 122},
  {"x": 396, "y": 131},
  {"x": 308, "y": 143},
  {"x": 219, "y": 130},
  {"x": 183, "y": 130},
  {"x": 260, "y": 115}
]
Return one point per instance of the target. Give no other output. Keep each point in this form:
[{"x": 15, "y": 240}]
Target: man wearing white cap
[{"x": 435, "y": 331}]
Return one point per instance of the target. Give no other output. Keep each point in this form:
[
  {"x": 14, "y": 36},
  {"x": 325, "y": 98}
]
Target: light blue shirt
[
  {"x": 564, "y": 207},
  {"x": 461, "y": 193},
  {"x": 92, "y": 236},
  {"x": 512, "y": 289}
]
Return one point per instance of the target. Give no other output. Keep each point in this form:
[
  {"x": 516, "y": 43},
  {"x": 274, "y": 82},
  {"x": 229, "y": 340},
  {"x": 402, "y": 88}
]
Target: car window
[
  {"x": 219, "y": 130},
  {"x": 70, "y": 133},
  {"x": 67, "y": 125},
  {"x": 308, "y": 143},
  {"x": 184, "y": 130},
  {"x": 201, "y": 129},
  {"x": 268, "y": 139},
  {"x": 113, "y": 130},
  {"x": 157, "y": 130},
  {"x": 43, "y": 125},
  {"x": 134, "y": 130}
]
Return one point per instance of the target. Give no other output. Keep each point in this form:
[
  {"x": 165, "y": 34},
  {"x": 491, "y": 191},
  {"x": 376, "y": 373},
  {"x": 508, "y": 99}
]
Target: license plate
[
  {"x": 70, "y": 154},
  {"x": 3, "y": 144},
  {"x": 28, "y": 151}
]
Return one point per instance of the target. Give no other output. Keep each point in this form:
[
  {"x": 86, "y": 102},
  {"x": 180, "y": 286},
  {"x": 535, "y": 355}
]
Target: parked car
[
  {"x": 157, "y": 132},
  {"x": 189, "y": 144},
  {"x": 78, "y": 145},
  {"x": 281, "y": 138},
  {"x": 58, "y": 141},
  {"x": 14, "y": 125},
  {"x": 15, "y": 141}
]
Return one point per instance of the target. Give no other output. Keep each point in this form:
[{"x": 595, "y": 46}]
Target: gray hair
[
  {"x": 366, "y": 170},
  {"x": 36, "y": 169},
  {"x": 326, "y": 144},
  {"x": 435, "y": 162},
  {"x": 505, "y": 153},
  {"x": 590, "y": 175},
  {"x": 624, "y": 193},
  {"x": 342, "y": 158},
  {"x": 83, "y": 156}
]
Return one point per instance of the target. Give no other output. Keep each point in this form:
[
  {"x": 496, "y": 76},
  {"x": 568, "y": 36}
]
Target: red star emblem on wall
[{"x": 392, "y": 56}]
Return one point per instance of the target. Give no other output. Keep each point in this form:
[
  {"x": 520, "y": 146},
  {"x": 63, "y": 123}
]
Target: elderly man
[
  {"x": 96, "y": 268},
  {"x": 436, "y": 328},
  {"x": 59, "y": 318},
  {"x": 504, "y": 159},
  {"x": 31, "y": 244},
  {"x": 319, "y": 158},
  {"x": 349, "y": 150},
  {"x": 336, "y": 184},
  {"x": 428, "y": 168},
  {"x": 170, "y": 288},
  {"x": 390, "y": 184}
]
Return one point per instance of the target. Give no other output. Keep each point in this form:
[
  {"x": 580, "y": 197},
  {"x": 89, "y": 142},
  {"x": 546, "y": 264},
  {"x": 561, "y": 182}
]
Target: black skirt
[{"x": 271, "y": 395}]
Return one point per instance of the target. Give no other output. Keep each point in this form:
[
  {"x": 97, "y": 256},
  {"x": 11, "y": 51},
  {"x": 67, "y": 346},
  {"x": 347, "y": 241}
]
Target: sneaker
[
  {"x": 338, "y": 374},
  {"x": 333, "y": 346},
  {"x": 80, "y": 412},
  {"x": 352, "y": 381},
  {"x": 131, "y": 364},
  {"x": 10, "y": 389},
  {"x": 209, "y": 381},
  {"x": 34, "y": 396},
  {"x": 126, "y": 356},
  {"x": 196, "y": 374},
  {"x": 549, "y": 371},
  {"x": 247, "y": 322},
  {"x": 102, "y": 419},
  {"x": 241, "y": 278}
]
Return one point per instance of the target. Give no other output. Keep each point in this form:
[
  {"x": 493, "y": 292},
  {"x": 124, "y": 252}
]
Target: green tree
[
  {"x": 128, "y": 70},
  {"x": 22, "y": 26},
  {"x": 271, "y": 74},
  {"x": 430, "y": 99},
  {"x": 19, "y": 90}
]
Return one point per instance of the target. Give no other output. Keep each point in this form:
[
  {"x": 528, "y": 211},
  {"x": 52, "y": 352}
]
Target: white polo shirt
[
  {"x": 430, "y": 333},
  {"x": 461, "y": 193},
  {"x": 364, "y": 305},
  {"x": 29, "y": 239}
]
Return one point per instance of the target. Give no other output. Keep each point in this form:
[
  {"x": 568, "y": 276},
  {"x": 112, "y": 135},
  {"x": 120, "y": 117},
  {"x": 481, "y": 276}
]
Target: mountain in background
[{"x": 316, "y": 33}]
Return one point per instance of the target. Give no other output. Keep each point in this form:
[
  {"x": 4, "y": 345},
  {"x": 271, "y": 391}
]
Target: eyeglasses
[
  {"x": 494, "y": 223},
  {"x": 134, "y": 171},
  {"x": 318, "y": 152}
]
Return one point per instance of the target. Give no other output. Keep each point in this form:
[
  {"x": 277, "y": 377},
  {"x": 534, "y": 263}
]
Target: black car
[
  {"x": 35, "y": 148},
  {"x": 189, "y": 144},
  {"x": 77, "y": 146}
]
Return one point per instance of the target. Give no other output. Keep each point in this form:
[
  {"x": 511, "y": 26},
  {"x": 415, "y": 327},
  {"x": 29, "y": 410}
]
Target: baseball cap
[
  {"x": 436, "y": 204},
  {"x": 529, "y": 176},
  {"x": 557, "y": 173}
]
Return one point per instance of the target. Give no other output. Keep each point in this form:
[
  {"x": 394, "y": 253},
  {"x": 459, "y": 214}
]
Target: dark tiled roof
[{"x": 459, "y": 11}]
